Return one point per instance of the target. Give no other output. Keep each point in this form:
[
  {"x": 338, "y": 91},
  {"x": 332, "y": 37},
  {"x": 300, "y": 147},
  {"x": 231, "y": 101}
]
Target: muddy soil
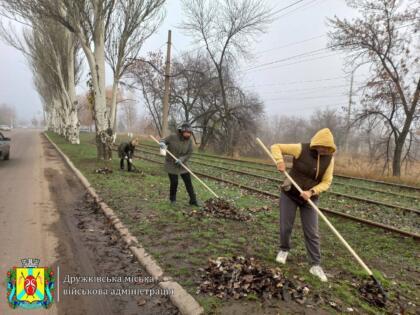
[{"x": 89, "y": 246}]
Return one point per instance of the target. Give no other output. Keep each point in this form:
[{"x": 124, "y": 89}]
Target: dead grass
[{"x": 360, "y": 166}]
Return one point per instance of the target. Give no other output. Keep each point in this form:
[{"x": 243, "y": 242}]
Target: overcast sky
[{"x": 294, "y": 87}]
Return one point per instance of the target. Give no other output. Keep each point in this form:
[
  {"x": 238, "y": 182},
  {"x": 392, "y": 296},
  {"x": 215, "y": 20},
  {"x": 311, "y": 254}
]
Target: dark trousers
[
  {"x": 174, "y": 186},
  {"x": 309, "y": 219},
  {"x": 128, "y": 165}
]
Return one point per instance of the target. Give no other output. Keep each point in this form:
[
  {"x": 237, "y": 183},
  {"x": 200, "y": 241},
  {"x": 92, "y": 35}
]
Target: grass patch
[{"x": 182, "y": 244}]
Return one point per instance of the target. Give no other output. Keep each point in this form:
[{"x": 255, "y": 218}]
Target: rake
[{"x": 313, "y": 205}]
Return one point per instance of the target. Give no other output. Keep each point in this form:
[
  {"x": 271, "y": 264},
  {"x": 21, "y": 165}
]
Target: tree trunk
[
  {"x": 228, "y": 147},
  {"x": 113, "y": 118},
  {"x": 396, "y": 161},
  {"x": 73, "y": 127},
  {"x": 399, "y": 146},
  {"x": 73, "y": 131},
  {"x": 96, "y": 61},
  {"x": 204, "y": 139}
]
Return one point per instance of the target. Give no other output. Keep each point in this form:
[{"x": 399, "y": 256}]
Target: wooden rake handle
[
  {"x": 188, "y": 170},
  {"x": 349, "y": 248}
]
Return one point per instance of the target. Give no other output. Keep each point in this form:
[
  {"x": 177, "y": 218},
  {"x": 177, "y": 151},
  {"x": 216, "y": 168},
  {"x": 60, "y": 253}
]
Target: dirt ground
[{"x": 45, "y": 214}]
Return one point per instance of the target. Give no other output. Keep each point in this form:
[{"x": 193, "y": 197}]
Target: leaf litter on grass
[
  {"x": 221, "y": 208},
  {"x": 371, "y": 293},
  {"x": 238, "y": 277}
]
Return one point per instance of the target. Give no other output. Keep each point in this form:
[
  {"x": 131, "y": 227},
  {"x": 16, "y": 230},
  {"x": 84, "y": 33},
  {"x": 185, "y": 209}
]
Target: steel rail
[
  {"x": 269, "y": 164},
  {"x": 335, "y": 183},
  {"x": 272, "y": 195},
  {"x": 329, "y": 192}
]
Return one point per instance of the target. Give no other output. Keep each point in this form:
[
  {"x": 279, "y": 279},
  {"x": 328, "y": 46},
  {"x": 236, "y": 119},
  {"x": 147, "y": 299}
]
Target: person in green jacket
[{"x": 180, "y": 145}]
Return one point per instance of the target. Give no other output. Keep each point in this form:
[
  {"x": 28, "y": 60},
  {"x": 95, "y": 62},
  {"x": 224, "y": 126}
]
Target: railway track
[
  {"x": 269, "y": 169},
  {"x": 276, "y": 196},
  {"x": 278, "y": 180}
]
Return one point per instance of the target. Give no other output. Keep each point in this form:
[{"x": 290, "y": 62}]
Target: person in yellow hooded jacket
[{"x": 313, "y": 166}]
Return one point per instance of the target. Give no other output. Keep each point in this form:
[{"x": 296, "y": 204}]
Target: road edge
[{"x": 184, "y": 301}]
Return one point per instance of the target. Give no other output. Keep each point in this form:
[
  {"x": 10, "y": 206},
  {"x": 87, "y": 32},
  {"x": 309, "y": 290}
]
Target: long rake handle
[
  {"x": 188, "y": 170},
  {"x": 350, "y": 249}
]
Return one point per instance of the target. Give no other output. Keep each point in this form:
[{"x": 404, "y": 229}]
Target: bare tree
[
  {"x": 148, "y": 75},
  {"x": 226, "y": 29},
  {"x": 329, "y": 118},
  {"x": 132, "y": 23},
  {"x": 91, "y": 22},
  {"x": 52, "y": 58},
  {"x": 128, "y": 111},
  {"x": 88, "y": 21},
  {"x": 51, "y": 50},
  {"x": 206, "y": 110},
  {"x": 192, "y": 82},
  {"x": 51, "y": 53},
  {"x": 383, "y": 36},
  {"x": 84, "y": 111}
]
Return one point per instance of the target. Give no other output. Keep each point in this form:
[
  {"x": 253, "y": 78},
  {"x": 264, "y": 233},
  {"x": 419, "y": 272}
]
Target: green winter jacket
[{"x": 181, "y": 148}]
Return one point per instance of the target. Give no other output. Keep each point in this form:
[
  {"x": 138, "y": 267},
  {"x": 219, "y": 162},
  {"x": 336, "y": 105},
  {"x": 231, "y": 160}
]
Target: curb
[{"x": 184, "y": 301}]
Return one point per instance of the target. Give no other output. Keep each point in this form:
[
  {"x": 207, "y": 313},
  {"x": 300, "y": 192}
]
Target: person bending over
[
  {"x": 313, "y": 166},
  {"x": 126, "y": 152}
]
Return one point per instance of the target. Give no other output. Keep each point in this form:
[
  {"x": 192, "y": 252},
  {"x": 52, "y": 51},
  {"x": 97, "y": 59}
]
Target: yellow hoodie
[{"x": 324, "y": 138}]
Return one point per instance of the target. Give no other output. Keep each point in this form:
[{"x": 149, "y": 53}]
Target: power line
[
  {"x": 290, "y": 64},
  {"x": 316, "y": 106},
  {"x": 308, "y": 81},
  {"x": 310, "y": 89},
  {"x": 298, "y": 8},
  {"x": 288, "y": 6},
  {"x": 291, "y": 44},
  {"x": 274, "y": 13},
  {"x": 305, "y": 98},
  {"x": 283, "y": 46},
  {"x": 304, "y": 94},
  {"x": 308, "y": 53},
  {"x": 297, "y": 82},
  {"x": 314, "y": 52}
]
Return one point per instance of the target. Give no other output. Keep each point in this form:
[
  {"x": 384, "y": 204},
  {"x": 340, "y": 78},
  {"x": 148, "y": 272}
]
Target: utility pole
[
  {"x": 165, "y": 113},
  {"x": 349, "y": 111},
  {"x": 350, "y": 100}
]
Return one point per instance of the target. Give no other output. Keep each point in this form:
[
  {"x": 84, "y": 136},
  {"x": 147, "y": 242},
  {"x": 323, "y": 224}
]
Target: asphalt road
[
  {"x": 27, "y": 210},
  {"x": 40, "y": 217}
]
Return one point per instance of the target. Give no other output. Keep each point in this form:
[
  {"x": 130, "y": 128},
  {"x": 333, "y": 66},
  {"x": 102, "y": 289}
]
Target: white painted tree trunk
[
  {"x": 67, "y": 109},
  {"x": 114, "y": 105},
  {"x": 63, "y": 113},
  {"x": 96, "y": 61},
  {"x": 57, "y": 117},
  {"x": 72, "y": 121},
  {"x": 99, "y": 84}
]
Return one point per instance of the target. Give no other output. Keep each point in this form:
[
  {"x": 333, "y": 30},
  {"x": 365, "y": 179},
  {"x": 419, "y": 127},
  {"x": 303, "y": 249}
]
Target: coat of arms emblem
[{"x": 30, "y": 286}]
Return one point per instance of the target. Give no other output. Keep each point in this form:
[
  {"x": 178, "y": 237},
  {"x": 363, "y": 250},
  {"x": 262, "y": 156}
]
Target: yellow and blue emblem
[{"x": 30, "y": 286}]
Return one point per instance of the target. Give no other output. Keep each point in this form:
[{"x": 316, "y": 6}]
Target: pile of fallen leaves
[
  {"x": 103, "y": 171},
  {"x": 371, "y": 293},
  {"x": 238, "y": 277},
  {"x": 221, "y": 208}
]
